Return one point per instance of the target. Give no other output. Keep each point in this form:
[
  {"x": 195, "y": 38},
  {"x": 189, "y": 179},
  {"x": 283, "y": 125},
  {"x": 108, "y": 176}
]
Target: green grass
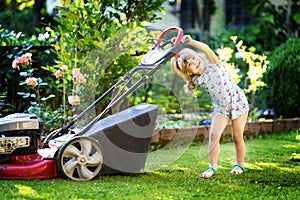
[{"x": 271, "y": 174}]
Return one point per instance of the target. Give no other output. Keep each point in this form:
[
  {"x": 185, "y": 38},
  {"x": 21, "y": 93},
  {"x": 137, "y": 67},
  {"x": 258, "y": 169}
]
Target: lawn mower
[{"x": 108, "y": 144}]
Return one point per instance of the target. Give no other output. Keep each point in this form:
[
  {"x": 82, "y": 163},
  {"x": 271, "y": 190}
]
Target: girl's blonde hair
[{"x": 179, "y": 65}]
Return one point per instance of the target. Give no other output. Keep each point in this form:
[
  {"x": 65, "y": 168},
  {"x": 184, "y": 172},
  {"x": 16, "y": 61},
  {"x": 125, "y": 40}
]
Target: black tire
[{"x": 80, "y": 159}]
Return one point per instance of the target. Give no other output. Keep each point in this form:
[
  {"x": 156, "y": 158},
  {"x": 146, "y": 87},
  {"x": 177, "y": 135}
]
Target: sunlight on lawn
[
  {"x": 27, "y": 191},
  {"x": 278, "y": 166},
  {"x": 290, "y": 146}
]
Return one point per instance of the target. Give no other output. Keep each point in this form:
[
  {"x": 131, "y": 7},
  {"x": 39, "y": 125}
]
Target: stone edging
[{"x": 200, "y": 133}]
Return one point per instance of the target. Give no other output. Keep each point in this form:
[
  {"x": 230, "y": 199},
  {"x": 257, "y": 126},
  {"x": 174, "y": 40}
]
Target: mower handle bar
[{"x": 164, "y": 33}]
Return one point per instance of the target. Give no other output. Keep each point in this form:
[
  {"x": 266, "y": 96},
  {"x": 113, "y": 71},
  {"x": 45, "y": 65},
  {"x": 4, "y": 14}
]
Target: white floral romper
[{"x": 227, "y": 97}]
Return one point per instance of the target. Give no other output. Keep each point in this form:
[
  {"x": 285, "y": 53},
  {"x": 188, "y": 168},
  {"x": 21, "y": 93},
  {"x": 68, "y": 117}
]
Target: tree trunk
[
  {"x": 207, "y": 12},
  {"x": 200, "y": 19},
  {"x": 13, "y": 13},
  {"x": 38, "y": 5},
  {"x": 288, "y": 16}
]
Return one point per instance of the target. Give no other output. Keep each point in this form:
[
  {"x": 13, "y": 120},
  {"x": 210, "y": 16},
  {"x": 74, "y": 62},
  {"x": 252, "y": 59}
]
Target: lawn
[{"x": 173, "y": 173}]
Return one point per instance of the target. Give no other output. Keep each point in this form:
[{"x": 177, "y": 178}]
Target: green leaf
[{"x": 296, "y": 17}]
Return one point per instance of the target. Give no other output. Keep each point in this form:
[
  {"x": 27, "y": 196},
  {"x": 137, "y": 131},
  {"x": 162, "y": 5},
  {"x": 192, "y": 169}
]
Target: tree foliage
[
  {"x": 24, "y": 15},
  {"x": 273, "y": 24}
]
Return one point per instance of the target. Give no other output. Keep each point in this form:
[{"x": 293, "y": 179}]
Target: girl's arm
[{"x": 203, "y": 47}]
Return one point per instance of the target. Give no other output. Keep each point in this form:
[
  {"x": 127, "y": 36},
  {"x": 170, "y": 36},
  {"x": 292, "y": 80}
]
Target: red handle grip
[{"x": 165, "y": 32}]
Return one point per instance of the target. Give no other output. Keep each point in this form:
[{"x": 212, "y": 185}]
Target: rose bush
[{"x": 38, "y": 104}]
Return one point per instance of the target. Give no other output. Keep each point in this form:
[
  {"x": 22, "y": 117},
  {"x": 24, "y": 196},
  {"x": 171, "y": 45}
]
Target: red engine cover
[{"x": 28, "y": 167}]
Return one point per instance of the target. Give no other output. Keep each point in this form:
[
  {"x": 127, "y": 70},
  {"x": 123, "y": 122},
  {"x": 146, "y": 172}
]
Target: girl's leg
[
  {"x": 219, "y": 122},
  {"x": 238, "y": 126}
]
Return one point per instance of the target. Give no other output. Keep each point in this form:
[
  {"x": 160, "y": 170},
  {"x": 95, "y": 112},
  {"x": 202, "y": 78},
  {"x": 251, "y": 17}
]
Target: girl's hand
[
  {"x": 184, "y": 38},
  {"x": 173, "y": 40},
  {"x": 187, "y": 38}
]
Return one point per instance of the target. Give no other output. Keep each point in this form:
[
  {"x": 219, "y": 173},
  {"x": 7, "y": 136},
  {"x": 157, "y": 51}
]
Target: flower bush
[
  {"x": 257, "y": 65},
  {"x": 23, "y": 65},
  {"x": 225, "y": 54}
]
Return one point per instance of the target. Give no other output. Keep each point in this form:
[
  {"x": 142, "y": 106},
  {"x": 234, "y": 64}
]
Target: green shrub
[{"x": 283, "y": 79}]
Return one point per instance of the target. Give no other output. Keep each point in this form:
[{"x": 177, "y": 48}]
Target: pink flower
[
  {"x": 28, "y": 56},
  {"x": 31, "y": 81},
  {"x": 15, "y": 64},
  {"x": 74, "y": 100},
  {"x": 76, "y": 72},
  {"x": 58, "y": 74},
  {"x": 25, "y": 59},
  {"x": 64, "y": 68},
  {"x": 78, "y": 76}
]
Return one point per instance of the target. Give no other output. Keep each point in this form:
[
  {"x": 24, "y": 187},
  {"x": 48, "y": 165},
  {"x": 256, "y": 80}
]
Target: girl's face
[{"x": 195, "y": 64}]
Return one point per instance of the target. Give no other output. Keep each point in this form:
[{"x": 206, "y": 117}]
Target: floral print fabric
[{"x": 227, "y": 97}]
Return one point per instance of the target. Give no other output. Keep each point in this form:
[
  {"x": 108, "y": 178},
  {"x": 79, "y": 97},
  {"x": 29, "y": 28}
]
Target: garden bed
[{"x": 199, "y": 133}]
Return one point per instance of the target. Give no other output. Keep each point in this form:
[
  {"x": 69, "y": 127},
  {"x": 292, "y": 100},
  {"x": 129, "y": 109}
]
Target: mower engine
[{"x": 20, "y": 134}]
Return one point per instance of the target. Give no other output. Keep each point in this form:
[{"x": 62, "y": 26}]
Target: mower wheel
[{"x": 80, "y": 159}]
